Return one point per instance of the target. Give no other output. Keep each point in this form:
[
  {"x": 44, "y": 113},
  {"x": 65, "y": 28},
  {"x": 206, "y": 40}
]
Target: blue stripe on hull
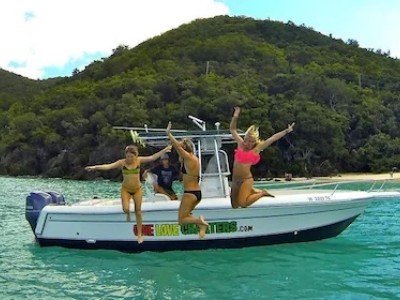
[{"x": 132, "y": 246}]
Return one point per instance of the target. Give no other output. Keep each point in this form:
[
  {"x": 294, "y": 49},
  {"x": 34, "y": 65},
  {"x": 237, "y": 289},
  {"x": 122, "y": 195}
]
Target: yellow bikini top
[{"x": 127, "y": 171}]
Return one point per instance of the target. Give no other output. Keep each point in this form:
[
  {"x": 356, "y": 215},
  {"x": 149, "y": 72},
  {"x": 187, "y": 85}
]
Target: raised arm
[
  {"x": 104, "y": 167},
  {"x": 175, "y": 143},
  {"x": 155, "y": 156},
  {"x": 275, "y": 137},
  {"x": 232, "y": 126}
]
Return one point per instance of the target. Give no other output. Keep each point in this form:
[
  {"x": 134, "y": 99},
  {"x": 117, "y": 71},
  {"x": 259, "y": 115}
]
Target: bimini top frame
[{"x": 207, "y": 143}]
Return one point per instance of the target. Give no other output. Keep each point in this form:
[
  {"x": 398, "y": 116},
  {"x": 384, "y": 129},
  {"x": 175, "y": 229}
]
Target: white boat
[{"x": 294, "y": 215}]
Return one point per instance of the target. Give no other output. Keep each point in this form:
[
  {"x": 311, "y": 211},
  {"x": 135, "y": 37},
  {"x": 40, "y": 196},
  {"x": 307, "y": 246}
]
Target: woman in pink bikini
[{"x": 247, "y": 154}]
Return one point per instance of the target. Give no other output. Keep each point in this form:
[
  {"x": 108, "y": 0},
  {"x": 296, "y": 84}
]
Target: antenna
[
  {"x": 217, "y": 124},
  {"x": 198, "y": 122}
]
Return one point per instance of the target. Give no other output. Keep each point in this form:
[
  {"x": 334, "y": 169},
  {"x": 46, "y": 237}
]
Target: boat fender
[{"x": 35, "y": 202}]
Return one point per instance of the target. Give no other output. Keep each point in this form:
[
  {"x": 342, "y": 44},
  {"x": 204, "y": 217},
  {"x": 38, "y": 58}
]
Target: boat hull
[
  {"x": 308, "y": 235},
  {"x": 284, "y": 219}
]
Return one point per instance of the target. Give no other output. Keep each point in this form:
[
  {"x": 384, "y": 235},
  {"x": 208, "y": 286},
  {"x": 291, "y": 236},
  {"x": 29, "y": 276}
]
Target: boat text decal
[
  {"x": 216, "y": 227},
  {"x": 158, "y": 229},
  {"x": 319, "y": 198},
  {"x": 176, "y": 230}
]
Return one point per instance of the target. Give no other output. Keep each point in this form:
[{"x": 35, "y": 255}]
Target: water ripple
[{"x": 361, "y": 263}]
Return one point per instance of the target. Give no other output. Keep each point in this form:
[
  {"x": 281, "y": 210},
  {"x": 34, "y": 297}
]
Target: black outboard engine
[{"x": 35, "y": 203}]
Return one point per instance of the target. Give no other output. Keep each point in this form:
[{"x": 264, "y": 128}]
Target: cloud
[{"x": 48, "y": 34}]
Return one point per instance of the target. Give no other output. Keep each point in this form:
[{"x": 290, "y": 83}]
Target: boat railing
[{"x": 369, "y": 185}]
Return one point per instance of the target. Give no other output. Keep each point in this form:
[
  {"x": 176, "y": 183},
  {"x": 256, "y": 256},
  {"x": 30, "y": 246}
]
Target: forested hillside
[{"x": 344, "y": 100}]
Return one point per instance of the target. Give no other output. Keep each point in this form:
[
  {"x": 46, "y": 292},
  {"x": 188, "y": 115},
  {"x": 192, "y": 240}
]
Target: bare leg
[
  {"x": 160, "y": 190},
  {"x": 126, "y": 198},
  {"x": 254, "y": 197},
  {"x": 235, "y": 187},
  {"x": 248, "y": 195},
  {"x": 137, "y": 198},
  {"x": 188, "y": 203}
]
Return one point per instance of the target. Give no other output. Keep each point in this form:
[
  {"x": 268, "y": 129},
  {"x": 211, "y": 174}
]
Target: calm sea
[{"x": 362, "y": 263}]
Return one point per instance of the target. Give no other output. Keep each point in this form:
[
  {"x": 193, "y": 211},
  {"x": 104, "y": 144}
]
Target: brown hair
[{"x": 131, "y": 149}]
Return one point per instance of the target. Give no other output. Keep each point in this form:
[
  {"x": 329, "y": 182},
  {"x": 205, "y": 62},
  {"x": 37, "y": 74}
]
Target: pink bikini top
[{"x": 246, "y": 157}]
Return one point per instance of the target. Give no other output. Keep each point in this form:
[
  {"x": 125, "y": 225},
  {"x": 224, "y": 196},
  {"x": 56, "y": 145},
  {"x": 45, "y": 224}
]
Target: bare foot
[
  {"x": 203, "y": 222},
  {"x": 202, "y": 227},
  {"x": 139, "y": 239},
  {"x": 266, "y": 193},
  {"x": 202, "y": 231}
]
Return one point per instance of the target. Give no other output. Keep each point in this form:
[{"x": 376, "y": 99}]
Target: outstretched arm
[
  {"x": 155, "y": 156},
  {"x": 232, "y": 126},
  {"x": 275, "y": 137},
  {"x": 104, "y": 167}
]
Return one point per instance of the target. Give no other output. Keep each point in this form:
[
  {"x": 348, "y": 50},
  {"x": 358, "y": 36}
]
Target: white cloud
[{"x": 48, "y": 33}]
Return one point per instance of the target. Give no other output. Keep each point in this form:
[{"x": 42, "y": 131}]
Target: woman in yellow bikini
[
  {"x": 190, "y": 177},
  {"x": 131, "y": 186},
  {"x": 247, "y": 154}
]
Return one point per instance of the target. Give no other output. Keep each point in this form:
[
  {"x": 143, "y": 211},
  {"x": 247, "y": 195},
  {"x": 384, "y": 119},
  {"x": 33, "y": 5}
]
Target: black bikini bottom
[{"x": 196, "y": 193}]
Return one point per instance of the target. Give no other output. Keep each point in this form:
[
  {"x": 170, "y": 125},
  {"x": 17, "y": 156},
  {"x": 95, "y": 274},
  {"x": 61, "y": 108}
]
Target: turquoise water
[{"x": 362, "y": 263}]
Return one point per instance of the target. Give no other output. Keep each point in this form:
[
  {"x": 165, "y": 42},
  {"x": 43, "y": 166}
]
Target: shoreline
[
  {"x": 339, "y": 177},
  {"x": 362, "y": 176}
]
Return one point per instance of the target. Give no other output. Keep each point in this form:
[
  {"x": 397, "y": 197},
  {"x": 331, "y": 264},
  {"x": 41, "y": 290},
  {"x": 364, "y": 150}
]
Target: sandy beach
[{"x": 361, "y": 176}]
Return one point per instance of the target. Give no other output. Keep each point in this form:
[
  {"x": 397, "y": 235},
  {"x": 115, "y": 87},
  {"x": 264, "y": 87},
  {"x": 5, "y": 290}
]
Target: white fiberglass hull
[{"x": 296, "y": 217}]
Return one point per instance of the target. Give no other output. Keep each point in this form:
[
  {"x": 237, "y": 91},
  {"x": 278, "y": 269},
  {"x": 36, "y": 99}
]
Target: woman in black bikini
[
  {"x": 247, "y": 154},
  {"x": 192, "y": 192},
  {"x": 131, "y": 186}
]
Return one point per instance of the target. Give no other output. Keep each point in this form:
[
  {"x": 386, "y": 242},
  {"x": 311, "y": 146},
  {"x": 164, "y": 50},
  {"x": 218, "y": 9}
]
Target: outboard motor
[
  {"x": 35, "y": 203},
  {"x": 56, "y": 198}
]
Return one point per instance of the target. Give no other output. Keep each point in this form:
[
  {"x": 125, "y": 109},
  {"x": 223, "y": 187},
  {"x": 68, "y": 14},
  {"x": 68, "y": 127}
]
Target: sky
[{"x": 42, "y": 39}]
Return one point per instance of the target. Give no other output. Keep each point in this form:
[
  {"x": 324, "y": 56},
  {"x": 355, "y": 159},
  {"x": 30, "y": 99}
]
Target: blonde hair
[
  {"x": 253, "y": 132},
  {"x": 187, "y": 145}
]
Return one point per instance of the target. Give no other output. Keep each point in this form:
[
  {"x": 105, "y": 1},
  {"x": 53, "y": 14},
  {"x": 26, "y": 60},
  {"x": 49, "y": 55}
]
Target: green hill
[{"x": 344, "y": 100}]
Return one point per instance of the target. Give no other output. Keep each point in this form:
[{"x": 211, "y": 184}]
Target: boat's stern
[{"x": 36, "y": 201}]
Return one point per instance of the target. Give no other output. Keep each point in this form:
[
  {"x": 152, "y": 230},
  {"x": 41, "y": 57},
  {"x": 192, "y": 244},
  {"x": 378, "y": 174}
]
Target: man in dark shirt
[{"x": 166, "y": 174}]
